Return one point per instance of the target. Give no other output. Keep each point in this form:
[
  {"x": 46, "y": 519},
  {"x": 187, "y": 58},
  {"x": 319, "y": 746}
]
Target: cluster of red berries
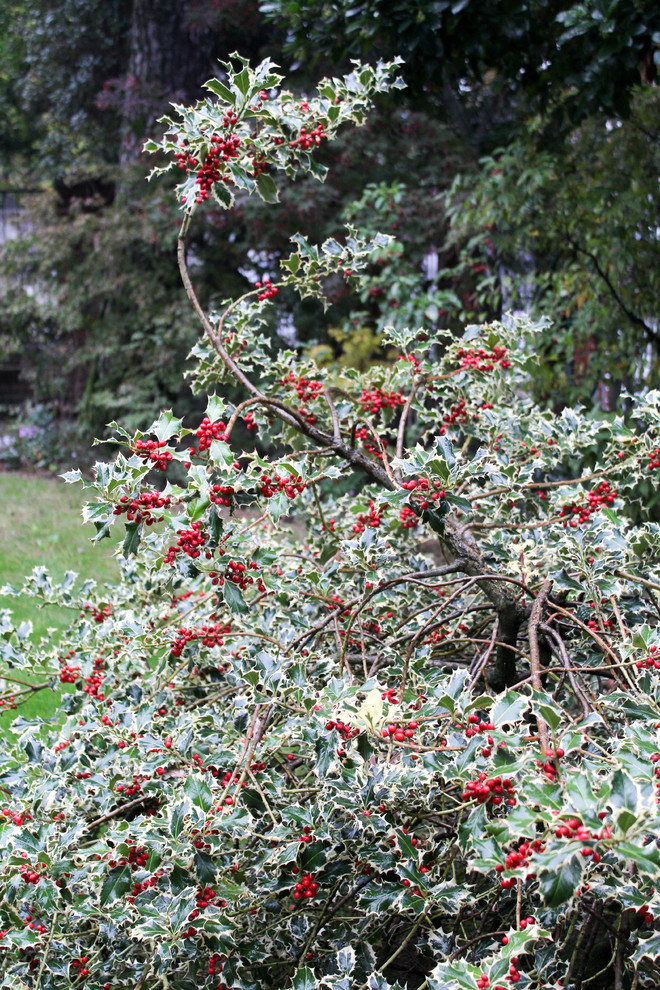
[
  {"x": 94, "y": 682},
  {"x": 424, "y": 485},
  {"x": 654, "y": 459},
  {"x": 308, "y": 390},
  {"x": 345, "y": 731},
  {"x": 99, "y": 613},
  {"x": 141, "y": 509},
  {"x": 483, "y": 981},
  {"x": 138, "y": 857},
  {"x": 80, "y": 965},
  {"x": 599, "y": 496},
  {"x": 69, "y": 675},
  {"x": 477, "y": 359},
  {"x": 31, "y": 876},
  {"x": 190, "y": 542},
  {"x": 475, "y": 726},
  {"x": 514, "y": 974},
  {"x": 306, "y": 836},
  {"x": 400, "y": 733},
  {"x": 373, "y": 400},
  {"x": 130, "y": 790},
  {"x": 145, "y": 884},
  {"x": 572, "y": 828},
  {"x": 364, "y": 434},
  {"x": 372, "y": 519},
  {"x": 645, "y": 914},
  {"x": 491, "y": 790},
  {"x": 152, "y": 450},
  {"x": 215, "y": 964},
  {"x": 518, "y": 859},
  {"x": 221, "y": 151},
  {"x": 601, "y": 623},
  {"x": 550, "y": 767},
  {"x": 410, "y": 358},
  {"x": 390, "y": 695},
  {"x": 306, "y": 887},
  {"x": 209, "y": 635},
  {"x": 17, "y": 817},
  {"x": 291, "y": 486},
  {"x": 655, "y": 757},
  {"x": 409, "y": 518},
  {"x": 37, "y": 926},
  {"x": 207, "y": 433},
  {"x": 457, "y": 414},
  {"x": 204, "y": 896},
  {"x": 268, "y": 289},
  {"x": 222, "y": 494},
  {"x": 240, "y": 575},
  {"x": 309, "y": 139},
  {"x": 652, "y": 660},
  {"x": 250, "y": 422}
]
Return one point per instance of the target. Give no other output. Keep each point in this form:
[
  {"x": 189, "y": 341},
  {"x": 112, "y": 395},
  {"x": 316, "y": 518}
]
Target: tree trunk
[{"x": 169, "y": 61}]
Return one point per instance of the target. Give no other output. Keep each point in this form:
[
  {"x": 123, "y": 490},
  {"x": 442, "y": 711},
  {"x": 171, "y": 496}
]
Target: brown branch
[
  {"x": 561, "y": 652},
  {"x": 480, "y": 664},
  {"x": 401, "y": 436},
  {"x": 533, "y": 634},
  {"x": 145, "y": 799}
]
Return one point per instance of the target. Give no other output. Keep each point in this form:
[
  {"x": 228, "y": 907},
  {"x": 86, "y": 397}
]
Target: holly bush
[{"x": 379, "y": 709}]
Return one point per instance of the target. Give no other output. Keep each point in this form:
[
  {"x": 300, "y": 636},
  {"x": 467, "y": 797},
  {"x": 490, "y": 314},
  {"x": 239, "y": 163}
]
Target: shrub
[{"x": 406, "y": 735}]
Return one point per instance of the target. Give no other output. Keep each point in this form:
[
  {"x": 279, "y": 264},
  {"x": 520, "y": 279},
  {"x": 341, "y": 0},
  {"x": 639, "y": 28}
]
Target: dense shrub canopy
[{"x": 379, "y": 709}]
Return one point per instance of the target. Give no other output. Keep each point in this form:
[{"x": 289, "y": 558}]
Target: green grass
[{"x": 41, "y": 525}]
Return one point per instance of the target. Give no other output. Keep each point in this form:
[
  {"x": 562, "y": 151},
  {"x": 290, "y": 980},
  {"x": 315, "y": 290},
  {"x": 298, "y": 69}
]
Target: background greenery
[{"x": 520, "y": 162}]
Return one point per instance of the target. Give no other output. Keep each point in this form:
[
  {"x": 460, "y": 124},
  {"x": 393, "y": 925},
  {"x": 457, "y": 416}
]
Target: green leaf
[
  {"x": 218, "y": 89},
  {"x": 304, "y": 979},
  {"x": 549, "y": 715},
  {"x": 625, "y": 793},
  {"x": 648, "y": 948},
  {"x": 118, "y": 882},
  {"x": 177, "y": 818},
  {"x": 166, "y": 426},
  {"x": 647, "y": 857},
  {"x": 242, "y": 80},
  {"x": 234, "y": 598},
  {"x": 325, "y": 747},
  {"x": 267, "y": 189},
  {"x": 578, "y": 789},
  {"x": 559, "y": 883},
  {"x": 222, "y": 194},
  {"x": 132, "y": 539},
  {"x": 345, "y": 960},
  {"x": 508, "y": 709},
  {"x": 380, "y": 900},
  {"x": 198, "y": 791}
]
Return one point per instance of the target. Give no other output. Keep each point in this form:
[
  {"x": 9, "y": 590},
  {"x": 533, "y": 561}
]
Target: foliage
[
  {"x": 570, "y": 56},
  {"x": 99, "y": 346},
  {"x": 316, "y": 739},
  {"x": 575, "y": 229},
  {"x": 53, "y": 117}
]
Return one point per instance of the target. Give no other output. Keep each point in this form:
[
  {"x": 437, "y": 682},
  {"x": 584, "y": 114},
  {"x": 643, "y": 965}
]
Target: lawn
[{"x": 41, "y": 525}]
